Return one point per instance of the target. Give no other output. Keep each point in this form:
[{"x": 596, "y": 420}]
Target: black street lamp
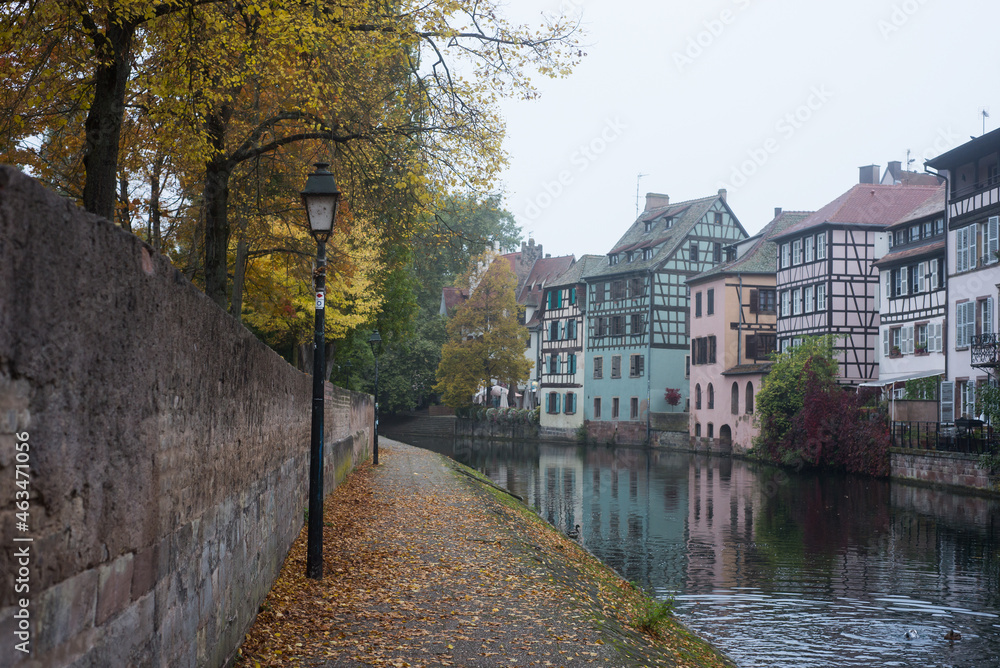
[
  {"x": 320, "y": 199},
  {"x": 375, "y": 341}
]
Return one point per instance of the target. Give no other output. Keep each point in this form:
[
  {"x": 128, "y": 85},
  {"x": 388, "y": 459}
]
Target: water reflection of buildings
[{"x": 720, "y": 522}]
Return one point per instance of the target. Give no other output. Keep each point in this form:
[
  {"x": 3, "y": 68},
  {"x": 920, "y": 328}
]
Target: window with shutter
[
  {"x": 821, "y": 246},
  {"x": 751, "y": 347},
  {"x": 571, "y": 361},
  {"x": 986, "y": 326},
  {"x": 887, "y": 281},
  {"x": 921, "y": 277},
  {"x": 753, "y": 301},
  {"x": 616, "y": 366},
  {"x": 947, "y": 401},
  {"x": 992, "y": 239},
  {"x": 598, "y": 367},
  {"x": 885, "y": 343},
  {"x": 711, "y": 350},
  {"x": 965, "y": 323},
  {"x": 934, "y": 274},
  {"x": 973, "y": 233}
]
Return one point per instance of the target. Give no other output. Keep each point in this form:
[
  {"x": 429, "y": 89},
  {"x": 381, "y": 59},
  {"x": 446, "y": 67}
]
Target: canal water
[{"x": 775, "y": 568}]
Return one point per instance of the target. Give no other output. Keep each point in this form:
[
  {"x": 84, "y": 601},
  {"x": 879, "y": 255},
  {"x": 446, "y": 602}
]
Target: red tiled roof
[
  {"x": 867, "y": 204},
  {"x": 933, "y": 205},
  {"x": 453, "y": 297},
  {"x": 544, "y": 272},
  {"x": 909, "y": 253}
]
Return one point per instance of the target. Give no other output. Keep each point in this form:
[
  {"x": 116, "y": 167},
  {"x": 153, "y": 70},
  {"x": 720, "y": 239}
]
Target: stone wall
[
  {"x": 168, "y": 449},
  {"x": 617, "y": 432},
  {"x": 495, "y": 430},
  {"x": 940, "y": 468}
]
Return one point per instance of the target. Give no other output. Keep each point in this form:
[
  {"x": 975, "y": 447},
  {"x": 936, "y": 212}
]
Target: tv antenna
[
  {"x": 985, "y": 111},
  {"x": 637, "y": 179}
]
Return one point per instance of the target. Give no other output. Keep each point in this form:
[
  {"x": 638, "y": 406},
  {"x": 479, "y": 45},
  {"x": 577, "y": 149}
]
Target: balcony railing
[
  {"x": 984, "y": 349},
  {"x": 968, "y": 436},
  {"x": 974, "y": 188}
]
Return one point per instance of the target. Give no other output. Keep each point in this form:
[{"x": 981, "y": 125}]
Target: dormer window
[
  {"x": 647, "y": 253},
  {"x": 628, "y": 256},
  {"x": 649, "y": 226},
  {"x": 668, "y": 222},
  {"x": 613, "y": 259}
]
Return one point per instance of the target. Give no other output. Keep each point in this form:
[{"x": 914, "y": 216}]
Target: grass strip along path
[{"x": 428, "y": 564}]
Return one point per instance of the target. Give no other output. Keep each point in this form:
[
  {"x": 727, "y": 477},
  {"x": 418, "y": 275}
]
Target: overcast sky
[{"x": 778, "y": 101}]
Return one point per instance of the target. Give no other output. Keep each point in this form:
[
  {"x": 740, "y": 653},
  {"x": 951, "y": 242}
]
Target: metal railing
[
  {"x": 967, "y": 436},
  {"x": 984, "y": 349},
  {"x": 974, "y": 188}
]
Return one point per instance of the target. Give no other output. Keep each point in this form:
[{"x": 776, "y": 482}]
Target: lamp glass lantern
[{"x": 320, "y": 199}]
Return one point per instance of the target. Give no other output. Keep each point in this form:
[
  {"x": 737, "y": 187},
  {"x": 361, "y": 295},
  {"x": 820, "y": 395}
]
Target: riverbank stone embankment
[{"x": 429, "y": 564}]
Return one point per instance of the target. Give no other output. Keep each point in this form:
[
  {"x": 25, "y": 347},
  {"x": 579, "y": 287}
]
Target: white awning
[{"x": 882, "y": 382}]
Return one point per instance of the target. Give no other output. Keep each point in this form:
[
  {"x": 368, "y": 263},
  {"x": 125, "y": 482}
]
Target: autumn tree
[
  {"x": 414, "y": 83},
  {"x": 807, "y": 419},
  {"x": 485, "y": 339}
]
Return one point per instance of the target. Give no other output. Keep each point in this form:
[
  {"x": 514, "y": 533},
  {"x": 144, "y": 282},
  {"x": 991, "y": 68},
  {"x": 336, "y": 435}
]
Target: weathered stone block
[
  {"x": 114, "y": 588},
  {"x": 66, "y": 610}
]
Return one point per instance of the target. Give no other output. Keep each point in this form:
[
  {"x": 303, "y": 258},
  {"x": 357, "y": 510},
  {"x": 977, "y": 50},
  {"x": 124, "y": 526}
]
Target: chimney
[
  {"x": 723, "y": 193},
  {"x": 777, "y": 211},
  {"x": 895, "y": 170},
  {"x": 869, "y": 174},
  {"x": 656, "y": 200}
]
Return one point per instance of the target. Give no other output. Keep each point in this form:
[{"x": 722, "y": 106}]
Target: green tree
[
  {"x": 485, "y": 340},
  {"x": 782, "y": 396},
  {"x": 808, "y": 419}
]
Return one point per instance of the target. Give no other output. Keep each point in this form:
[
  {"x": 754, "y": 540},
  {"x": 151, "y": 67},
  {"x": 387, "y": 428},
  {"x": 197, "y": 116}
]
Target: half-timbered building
[
  {"x": 637, "y": 311},
  {"x": 912, "y": 302},
  {"x": 530, "y": 295},
  {"x": 973, "y": 234},
  {"x": 826, "y": 282},
  {"x": 561, "y": 361},
  {"x": 733, "y": 335}
]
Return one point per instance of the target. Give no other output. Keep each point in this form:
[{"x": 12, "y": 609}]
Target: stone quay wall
[
  {"x": 953, "y": 469},
  {"x": 163, "y": 451}
]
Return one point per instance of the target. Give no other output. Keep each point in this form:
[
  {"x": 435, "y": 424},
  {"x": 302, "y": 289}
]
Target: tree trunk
[
  {"x": 124, "y": 219},
  {"x": 216, "y": 204},
  {"x": 104, "y": 120},
  {"x": 153, "y": 237},
  {"x": 239, "y": 276}
]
